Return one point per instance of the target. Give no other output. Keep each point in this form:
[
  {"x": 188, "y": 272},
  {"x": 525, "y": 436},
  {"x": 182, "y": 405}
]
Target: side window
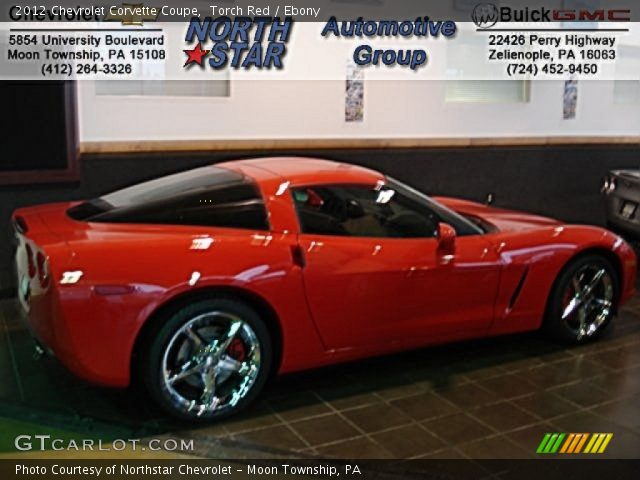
[
  {"x": 360, "y": 211},
  {"x": 234, "y": 205}
]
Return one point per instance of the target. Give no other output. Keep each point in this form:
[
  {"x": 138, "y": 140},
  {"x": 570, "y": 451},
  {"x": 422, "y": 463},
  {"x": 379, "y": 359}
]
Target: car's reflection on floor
[{"x": 484, "y": 399}]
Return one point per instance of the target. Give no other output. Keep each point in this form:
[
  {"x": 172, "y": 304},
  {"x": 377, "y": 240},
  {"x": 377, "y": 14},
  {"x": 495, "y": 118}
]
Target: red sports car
[{"x": 203, "y": 284}]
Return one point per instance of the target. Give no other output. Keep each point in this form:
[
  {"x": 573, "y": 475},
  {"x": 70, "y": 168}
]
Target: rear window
[{"x": 208, "y": 196}]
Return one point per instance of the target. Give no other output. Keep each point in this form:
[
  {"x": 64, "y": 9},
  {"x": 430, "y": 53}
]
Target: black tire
[
  {"x": 164, "y": 337},
  {"x": 560, "y": 329}
]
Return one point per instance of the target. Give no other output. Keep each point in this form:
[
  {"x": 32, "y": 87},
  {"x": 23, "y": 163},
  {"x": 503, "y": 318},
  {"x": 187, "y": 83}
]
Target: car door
[{"x": 374, "y": 270}]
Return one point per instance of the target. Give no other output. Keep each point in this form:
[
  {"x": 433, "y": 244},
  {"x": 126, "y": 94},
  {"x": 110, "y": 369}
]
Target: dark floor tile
[
  {"x": 509, "y": 386},
  {"x": 499, "y": 447},
  {"x": 358, "y": 448},
  {"x": 326, "y": 429},
  {"x": 298, "y": 406},
  {"x": 546, "y": 376},
  {"x": 394, "y": 392},
  {"x": 503, "y": 416},
  {"x": 584, "y": 393},
  {"x": 530, "y": 437},
  {"x": 586, "y": 421},
  {"x": 566, "y": 371},
  {"x": 408, "y": 441},
  {"x": 439, "y": 377},
  {"x": 260, "y": 416},
  {"x": 444, "y": 454},
  {"x": 514, "y": 366},
  {"x": 555, "y": 354},
  {"x": 423, "y": 406},
  {"x": 458, "y": 428},
  {"x": 276, "y": 437},
  {"x": 624, "y": 412},
  {"x": 617, "y": 358},
  {"x": 349, "y": 395},
  {"x": 481, "y": 373},
  {"x": 379, "y": 416},
  {"x": 469, "y": 396},
  {"x": 619, "y": 384},
  {"x": 545, "y": 404},
  {"x": 210, "y": 431}
]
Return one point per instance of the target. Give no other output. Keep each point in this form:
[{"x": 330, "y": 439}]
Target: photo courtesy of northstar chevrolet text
[{"x": 315, "y": 238}]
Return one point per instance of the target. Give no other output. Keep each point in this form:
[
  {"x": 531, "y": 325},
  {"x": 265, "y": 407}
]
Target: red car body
[{"x": 332, "y": 299}]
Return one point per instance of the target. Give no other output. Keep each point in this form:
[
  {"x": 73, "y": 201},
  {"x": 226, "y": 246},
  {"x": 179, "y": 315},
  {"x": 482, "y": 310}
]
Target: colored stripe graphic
[
  {"x": 574, "y": 443},
  {"x": 605, "y": 443},
  {"x": 556, "y": 446},
  {"x": 550, "y": 443},
  {"x": 581, "y": 443},
  {"x": 567, "y": 443},
  {"x": 543, "y": 443}
]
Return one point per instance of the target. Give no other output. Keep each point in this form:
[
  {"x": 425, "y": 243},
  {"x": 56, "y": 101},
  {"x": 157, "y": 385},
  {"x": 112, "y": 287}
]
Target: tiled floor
[{"x": 486, "y": 399}]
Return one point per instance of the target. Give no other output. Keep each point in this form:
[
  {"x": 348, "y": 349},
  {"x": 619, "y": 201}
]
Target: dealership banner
[{"x": 320, "y": 40}]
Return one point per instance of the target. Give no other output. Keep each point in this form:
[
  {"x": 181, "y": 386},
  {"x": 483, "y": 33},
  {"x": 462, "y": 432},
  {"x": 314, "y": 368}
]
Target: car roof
[{"x": 303, "y": 170}]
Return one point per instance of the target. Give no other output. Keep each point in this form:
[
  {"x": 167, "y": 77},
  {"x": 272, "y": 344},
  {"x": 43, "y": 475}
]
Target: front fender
[{"x": 532, "y": 261}]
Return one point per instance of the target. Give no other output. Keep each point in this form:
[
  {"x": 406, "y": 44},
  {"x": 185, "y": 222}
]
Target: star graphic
[{"x": 195, "y": 55}]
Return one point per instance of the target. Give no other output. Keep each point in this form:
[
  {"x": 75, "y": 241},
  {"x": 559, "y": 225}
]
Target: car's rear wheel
[
  {"x": 584, "y": 300},
  {"x": 208, "y": 360}
]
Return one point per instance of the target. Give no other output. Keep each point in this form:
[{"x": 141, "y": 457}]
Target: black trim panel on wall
[
  {"x": 39, "y": 132},
  {"x": 557, "y": 181}
]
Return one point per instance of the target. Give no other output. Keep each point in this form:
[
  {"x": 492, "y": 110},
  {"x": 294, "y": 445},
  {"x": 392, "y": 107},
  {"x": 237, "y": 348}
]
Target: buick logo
[{"x": 485, "y": 15}]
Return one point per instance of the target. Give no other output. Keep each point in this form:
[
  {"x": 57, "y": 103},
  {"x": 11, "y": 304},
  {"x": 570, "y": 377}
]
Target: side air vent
[{"x": 516, "y": 292}]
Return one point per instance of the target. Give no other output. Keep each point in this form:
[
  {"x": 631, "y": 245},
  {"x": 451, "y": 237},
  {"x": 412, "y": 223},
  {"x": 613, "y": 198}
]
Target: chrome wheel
[
  {"x": 210, "y": 363},
  {"x": 588, "y": 300}
]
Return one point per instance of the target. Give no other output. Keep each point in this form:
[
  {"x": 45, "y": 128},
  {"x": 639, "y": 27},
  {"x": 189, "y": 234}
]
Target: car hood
[
  {"x": 630, "y": 174},
  {"x": 498, "y": 218}
]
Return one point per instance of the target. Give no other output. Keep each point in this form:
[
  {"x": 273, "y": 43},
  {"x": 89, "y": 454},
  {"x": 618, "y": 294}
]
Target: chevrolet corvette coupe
[{"x": 202, "y": 284}]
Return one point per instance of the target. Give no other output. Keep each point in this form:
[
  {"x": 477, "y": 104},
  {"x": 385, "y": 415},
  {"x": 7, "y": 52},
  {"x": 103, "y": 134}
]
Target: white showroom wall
[{"x": 315, "y": 109}]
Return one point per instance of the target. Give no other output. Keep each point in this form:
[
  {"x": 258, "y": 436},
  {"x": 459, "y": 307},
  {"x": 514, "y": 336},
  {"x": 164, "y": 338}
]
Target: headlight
[{"x": 608, "y": 186}]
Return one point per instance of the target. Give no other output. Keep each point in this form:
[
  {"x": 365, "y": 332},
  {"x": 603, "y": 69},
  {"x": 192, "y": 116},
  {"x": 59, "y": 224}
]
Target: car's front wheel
[
  {"x": 583, "y": 300},
  {"x": 208, "y": 360}
]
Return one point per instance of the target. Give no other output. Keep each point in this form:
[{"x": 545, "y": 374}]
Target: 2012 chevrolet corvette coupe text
[{"x": 202, "y": 284}]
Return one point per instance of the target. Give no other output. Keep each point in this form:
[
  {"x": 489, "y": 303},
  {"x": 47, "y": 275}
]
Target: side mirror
[{"x": 446, "y": 238}]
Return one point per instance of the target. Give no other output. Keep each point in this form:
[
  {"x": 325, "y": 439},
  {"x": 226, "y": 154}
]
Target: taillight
[
  {"x": 32, "y": 265},
  {"x": 43, "y": 275},
  {"x": 20, "y": 225}
]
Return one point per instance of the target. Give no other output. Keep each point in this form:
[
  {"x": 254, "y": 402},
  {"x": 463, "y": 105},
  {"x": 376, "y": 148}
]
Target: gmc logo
[{"x": 592, "y": 15}]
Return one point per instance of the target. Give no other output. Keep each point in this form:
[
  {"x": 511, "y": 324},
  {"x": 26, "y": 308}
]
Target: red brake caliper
[{"x": 237, "y": 350}]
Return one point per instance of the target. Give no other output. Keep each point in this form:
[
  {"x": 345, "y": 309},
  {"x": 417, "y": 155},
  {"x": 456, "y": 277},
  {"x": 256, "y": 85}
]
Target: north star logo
[
  {"x": 239, "y": 43},
  {"x": 195, "y": 55}
]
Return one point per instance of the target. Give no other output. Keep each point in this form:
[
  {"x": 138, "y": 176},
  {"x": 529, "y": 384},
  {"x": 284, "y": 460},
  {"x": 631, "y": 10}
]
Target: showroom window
[
  {"x": 487, "y": 91},
  {"x": 157, "y": 83},
  {"x": 627, "y": 91},
  {"x": 360, "y": 211},
  {"x": 209, "y": 197},
  {"x": 164, "y": 88},
  {"x": 469, "y": 60}
]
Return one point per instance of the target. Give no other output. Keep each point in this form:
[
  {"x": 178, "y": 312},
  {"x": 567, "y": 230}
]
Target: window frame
[
  {"x": 369, "y": 186},
  {"x": 244, "y": 180}
]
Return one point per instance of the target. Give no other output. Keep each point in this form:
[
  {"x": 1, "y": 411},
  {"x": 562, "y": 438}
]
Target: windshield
[{"x": 445, "y": 215}]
